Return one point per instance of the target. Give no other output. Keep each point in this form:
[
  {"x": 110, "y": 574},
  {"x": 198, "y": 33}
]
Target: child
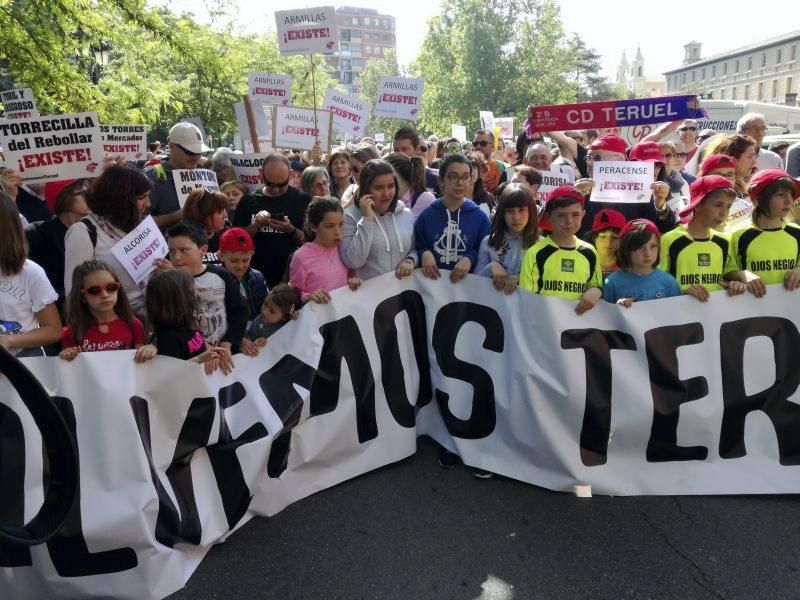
[
  {"x": 695, "y": 254},
  {"x": 638, "y": 279},
  {"x": 316, "y": 268},
  {"x": 171, "y": 307},
  {"x": 449, "y": 232},
  {"x": 768, "y": 250},
  {"x": 561, "y": 264},
  {"x": 514, "y": 230},
  {"x": 235, "y": 252},
  {"x": 221, "y": 314},
  {"x": 279, "y": 308},
  {"x": 99, "y": 315},
  {"x": 605, "y": 238},
  {"x": 234, "y": 191}
]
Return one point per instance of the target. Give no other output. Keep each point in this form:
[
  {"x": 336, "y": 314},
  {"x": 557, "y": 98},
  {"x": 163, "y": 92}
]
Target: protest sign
[
  {"x": 129, "y": 141},
  {"x": 380, "y": 137},
  {"x": 550, "y": 181},
  {"x": 739, "y": 215},
  {"x": 300, "y": 128},
  {"x": 616, "y": 113},
  {"x": 673, "y": 397},
  {"x": 19, "y": 104},
  {"x": 623, "y": 182},
  {"x": 399, "y": 97},
  {"x": 187, "y": 180},
  {"x": 506, "y": 125},
  {"x": 138, "y": 251},
  {"x": 487, "y": 120},
  {"x": 247, "y": 170},
  {"x": 262, "y": 115},
  {"x": 271, "y": 88},
  {"x": 459, "y": 132},
  {"x": 54, "y": 147},
  {"x": 350, "y": 112},
  {"x": 306, "y": 30}
]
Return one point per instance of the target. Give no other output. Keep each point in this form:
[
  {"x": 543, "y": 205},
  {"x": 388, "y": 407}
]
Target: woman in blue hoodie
[{"x": 449, "y": 232}]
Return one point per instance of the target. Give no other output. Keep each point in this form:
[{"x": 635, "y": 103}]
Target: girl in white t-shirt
[{"x": 28, "y": 315}]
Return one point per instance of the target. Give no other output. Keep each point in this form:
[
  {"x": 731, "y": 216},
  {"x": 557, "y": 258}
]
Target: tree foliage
[{"x": 590, "y": 85}]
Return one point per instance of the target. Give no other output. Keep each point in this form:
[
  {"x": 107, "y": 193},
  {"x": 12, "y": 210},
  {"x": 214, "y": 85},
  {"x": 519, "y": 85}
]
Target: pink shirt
[{"x": 314, "y": 267}]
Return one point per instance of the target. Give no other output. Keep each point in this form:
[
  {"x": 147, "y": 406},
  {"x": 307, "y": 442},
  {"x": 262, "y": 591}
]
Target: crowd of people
[{"x": 721, "y": 216}]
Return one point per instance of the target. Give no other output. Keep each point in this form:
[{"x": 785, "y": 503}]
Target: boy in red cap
[
  {"x": 767, "y": 251},
  {"x": 235, "y": 252},
  {"x": 695, "y": 254},
  {"x": 561, "y": 264},
  {"x": 605, "y": 237}
]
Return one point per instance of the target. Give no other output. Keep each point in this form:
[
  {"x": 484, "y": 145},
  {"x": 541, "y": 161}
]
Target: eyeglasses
[
  {"x": 594, "y": 157},
  {"x": 453, "y": 178},
  {"x": 480, "y": 143},
  {"x": 754, "y": 128},
  {"x": 687, "y": 128},
  {"x": 110, "y": 288},
  {"x": 187, "y": 153},
  {"x": 271, "y": 184}
]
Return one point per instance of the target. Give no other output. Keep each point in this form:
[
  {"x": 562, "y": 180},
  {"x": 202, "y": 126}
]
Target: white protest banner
[
  {"x": 350, "y": 112},
  {"x": 667, "y": 397},
  {"x": 271, "y": 88},
  {"x": 550, "y": 181},
  {"x": 53, "y": 148},
  {"x": 487, "y": 120},
  {"x": 262, "y": 114},
  {"x": 247, "y": 170},
  {"x": 306, "y": 30},
  {"x": 129, "y": 141},
  {"x": 19, "y": 104},
  {"x": 459, "y": 132},
  {"x": 380, "y": 137},
  {"x": 139, "y": 250},
  {"x": 506, "y": 125},
  {"x": 188, "y": 180},
  {"x": 399, "y": 97},
  {"x": 623, "y": 182},
  {"x": 300, "y": 128}
]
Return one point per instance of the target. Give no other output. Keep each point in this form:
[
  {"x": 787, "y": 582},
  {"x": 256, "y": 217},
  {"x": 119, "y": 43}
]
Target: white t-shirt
[
  {"x": 21, "y": 297},
  {"x": 767, "y": 159}
]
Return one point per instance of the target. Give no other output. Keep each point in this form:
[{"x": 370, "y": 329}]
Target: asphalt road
[{"x": 415, "y": 531}]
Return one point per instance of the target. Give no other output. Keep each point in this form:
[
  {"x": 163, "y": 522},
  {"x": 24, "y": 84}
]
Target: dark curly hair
[{"x": 113, "y": 196}]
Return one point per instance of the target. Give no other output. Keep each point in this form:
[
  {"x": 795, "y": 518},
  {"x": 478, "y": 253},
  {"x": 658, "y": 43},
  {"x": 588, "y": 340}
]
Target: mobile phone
[{"x": 277, "y": 216}]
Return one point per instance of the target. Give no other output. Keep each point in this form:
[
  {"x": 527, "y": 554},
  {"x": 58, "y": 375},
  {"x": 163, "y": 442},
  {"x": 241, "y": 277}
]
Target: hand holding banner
[
  {"x": 624, "y": 182},
  {"x": 139, "y": 250}
]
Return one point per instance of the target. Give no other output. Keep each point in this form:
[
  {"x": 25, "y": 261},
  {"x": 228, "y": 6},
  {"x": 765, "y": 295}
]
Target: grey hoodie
[{"x": 372, "y": 247}]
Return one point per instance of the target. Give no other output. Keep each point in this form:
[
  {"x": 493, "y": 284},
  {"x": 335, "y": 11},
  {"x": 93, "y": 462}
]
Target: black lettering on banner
[
  {"x": 670, "y": 391},
  {"x": 278, "y": 386},
  {"x": 392, "y": 373},
  {"x": 597, "y": 346},
  {"x": 68, "y": 549},
  {"x": 12, "y": 484},
  {"x": 173, "y": 526},
  {"x": 774, "y": 401},
  {"x": 222, "y": 455},
  {"x": 449, "y": 320},
  {"x": 342, "y": 340}
]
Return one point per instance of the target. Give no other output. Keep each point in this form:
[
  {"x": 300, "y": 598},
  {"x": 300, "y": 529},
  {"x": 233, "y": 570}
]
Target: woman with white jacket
[{"x": 378, "y": 228}]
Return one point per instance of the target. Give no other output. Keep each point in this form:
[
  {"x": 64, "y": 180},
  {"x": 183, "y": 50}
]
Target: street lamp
[{"x": 101, "y": 53}]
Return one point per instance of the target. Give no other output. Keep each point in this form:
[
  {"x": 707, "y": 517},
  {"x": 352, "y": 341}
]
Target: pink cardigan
[{"x": 314, "y": 267}]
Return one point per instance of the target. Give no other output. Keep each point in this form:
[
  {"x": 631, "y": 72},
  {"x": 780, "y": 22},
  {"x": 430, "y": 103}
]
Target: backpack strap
[{"x": 92, "y": 229}]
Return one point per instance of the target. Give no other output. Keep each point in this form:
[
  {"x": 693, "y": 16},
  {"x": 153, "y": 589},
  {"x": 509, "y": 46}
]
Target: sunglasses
[
  {"x": 271, "y": 184},
  {"x": 110, "y": 287},
  {"x": 687, "y": 128},
  {"x": 480, "y": 143},
  {"x": 187, "y": 153}
]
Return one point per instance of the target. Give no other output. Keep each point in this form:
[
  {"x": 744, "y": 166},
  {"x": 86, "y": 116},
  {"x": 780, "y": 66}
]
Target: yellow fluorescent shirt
[
  {"x": 550, "y": 270},
  {"x": 696, "y": 262},
  {"x": 768, "y": 253}
]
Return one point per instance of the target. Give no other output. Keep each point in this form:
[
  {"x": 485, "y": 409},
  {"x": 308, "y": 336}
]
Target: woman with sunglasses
[{"x": 686, "y": 132}]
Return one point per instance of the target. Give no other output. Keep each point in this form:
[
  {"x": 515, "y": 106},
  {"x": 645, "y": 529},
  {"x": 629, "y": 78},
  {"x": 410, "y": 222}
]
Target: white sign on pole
[
  {"x": 550, "y": 181},
  {"x": 306, "y": 30},
  {"x": 138, "y": 251},
  {"x": 129, "y": 141},
  {"x": 487, "y": 120},
  {"x": 506, "y": 125},
  {"x": 350, "y": 112},
  {"x": 188, "y": 180},
  {"x": 52, "y": 148},
  {"x": 459, "y": 132},
  {"x": 380, "y": 137},
  {"x": 247, "y": 169},
  {"x": 399, "y": 97},
  {"x": 300, "y": 128},
  {"x": 19, "y": 104},
  {"x": 271, "y": 88},
  {"x": 623, "y": 182},
  {"x": 262, "y": 114}
]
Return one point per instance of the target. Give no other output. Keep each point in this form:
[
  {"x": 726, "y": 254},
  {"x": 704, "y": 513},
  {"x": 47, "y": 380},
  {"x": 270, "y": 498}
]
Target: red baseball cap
[
  {"x": 717, "y": 161},
  {"x": 564, "y": 191},
  {"x": 608, "y": 218},
  {"x": 639, "y": 225},
  {"x": 235, "y": 239},
  {"x": 647, "y": 152},
  {"x": 609, "y": 142},
  {"x": 51, "y": 191},
  {"x": 762, "y": 179},
  {"x": 701, "y": 188},
  {"x": 544, "y": 223}
]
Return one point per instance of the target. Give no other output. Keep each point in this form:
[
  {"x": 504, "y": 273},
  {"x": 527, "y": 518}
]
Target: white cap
[{"x": 187, "y": 135}]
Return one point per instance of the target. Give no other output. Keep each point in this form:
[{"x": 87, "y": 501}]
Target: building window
[
  {"x": 366, "y": 21},
  {"x": 760, "y": 91},
  {"x": 385, "y": 24},
  {"x": 764, "y": 60},
  {"x": 780, "y": 54},
  {"x": 793, "y": 53},
  {"x": 683, "y": 78},
  {"x": 366, "y": 36},
  {"x": 367, "y": 49},
  {"x": 774, "y": 89},
  {"x": 789, "y": 85},
  {"x": 357, "y": 62},
  {"x": 722, "y": 94},
  {"x": 733, "y": 93},
  {"x": 749, "y": 63},
  {"x": 344, "y": 47},
  {"x": 376, "y": 22},
  {"x": 355, "y": 47},
  {"x": 355, "y": 33},
  {"x": 703, "y": 74},
  {"x": 724, "y": 68},
  {"x": 747, "y": 92},
  {"x": 693, "y": 75},
  {"x": 713, "y": 71},
  {"x": 355, "y": 20},
  {"x": 736, "y": 70}
]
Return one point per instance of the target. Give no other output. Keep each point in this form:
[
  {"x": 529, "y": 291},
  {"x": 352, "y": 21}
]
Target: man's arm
[
  {"x": 565, "y": 143},
  {"x": 662, "y": 131}
]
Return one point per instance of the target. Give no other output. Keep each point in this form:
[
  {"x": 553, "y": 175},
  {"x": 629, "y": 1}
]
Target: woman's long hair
[
  {"x": 113, "y": 196},
  {"x": 514, "y": 195},
  {"x": 371, "y": 171},
  {"x": 13, "y": 246}
]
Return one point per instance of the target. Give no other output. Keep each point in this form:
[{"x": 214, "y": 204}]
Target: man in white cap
[{"x": 185, "y": 147}]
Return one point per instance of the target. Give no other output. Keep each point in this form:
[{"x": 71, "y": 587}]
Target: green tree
[
  {"x": 376, "y": 68},
  {"x": 590, "y": 85}
]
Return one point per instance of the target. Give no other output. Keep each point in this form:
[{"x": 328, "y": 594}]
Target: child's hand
[
  {"x": 210, "y": 365},
  {"x": 354, "y": 283},
  {"x": 757, "y": 287},
  {"x": 792, "y": 280},
  {"x": 249, "y": 347},
  {"x": 698, "y": 291},
  {"x": 429, "y": 265},
  {"x": 260, "y": 342},
  {"x": 498, "y": 276},
  {"x": 294, "y": 314},
  {"x": 588, "y": 300},
  {"x": 461, "y": 269},
  {"x": 162, "y": 264},
  {"x": 145, "y": 353},
  {"x": 735, "y": 288},
  {"x": 69, "y": 353},
  {"x": 225, "y": 357},
  {"x": 626, "y": 302},
  {"x": 405, "y": 268},
  {"x": 320, "y": 297}
]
